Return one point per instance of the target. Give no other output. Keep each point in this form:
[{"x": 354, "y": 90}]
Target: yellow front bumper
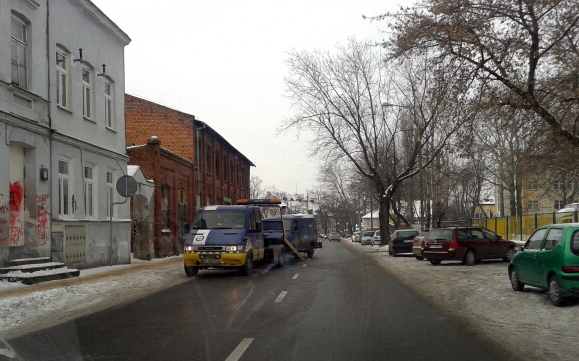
[{"x": 226, "y": 260}]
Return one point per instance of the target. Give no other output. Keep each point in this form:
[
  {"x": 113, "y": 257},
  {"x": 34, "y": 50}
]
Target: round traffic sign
[{"x": 127, "y": 186}]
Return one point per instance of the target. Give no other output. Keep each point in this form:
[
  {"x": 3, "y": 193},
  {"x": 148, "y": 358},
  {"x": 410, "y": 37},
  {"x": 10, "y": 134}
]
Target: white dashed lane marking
[
  {"x": 239, "y": 350},
  {"x": 295, "y": 276},
  {"x": 304, "y": 265},
  {"x": 280, "y": 297}
]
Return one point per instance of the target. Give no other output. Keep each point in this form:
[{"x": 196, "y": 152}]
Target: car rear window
[
  {"x": 368, "y": 234},
  {"x": 407, "y": 234},
  {"x": 575, "y": 243},
  {"x": 439, "y": 235}
]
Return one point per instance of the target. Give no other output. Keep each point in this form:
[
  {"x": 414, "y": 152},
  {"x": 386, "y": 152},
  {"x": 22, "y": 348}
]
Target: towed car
[{"x": 549, "y": 260}]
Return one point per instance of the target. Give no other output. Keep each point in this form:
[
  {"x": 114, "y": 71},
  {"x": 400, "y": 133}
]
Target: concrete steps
[{"x": 35, "y": 270}]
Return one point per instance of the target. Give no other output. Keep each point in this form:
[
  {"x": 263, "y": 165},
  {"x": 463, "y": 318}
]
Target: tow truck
[{"x": 232, "y": 237}]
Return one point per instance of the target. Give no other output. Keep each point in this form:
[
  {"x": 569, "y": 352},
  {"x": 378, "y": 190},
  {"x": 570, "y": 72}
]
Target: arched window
[
  {"x": 165, "y": 193},
  {"x": 217, "y": 169}
]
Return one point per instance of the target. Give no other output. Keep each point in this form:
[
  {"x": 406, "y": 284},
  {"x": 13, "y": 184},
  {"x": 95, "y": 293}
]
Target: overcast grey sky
[{"x": 223, "y": 61}]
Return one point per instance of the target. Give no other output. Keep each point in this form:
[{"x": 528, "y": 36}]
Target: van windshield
[
  {"x": 219, "y": 219},
  {"x": 272, "y": 226}
]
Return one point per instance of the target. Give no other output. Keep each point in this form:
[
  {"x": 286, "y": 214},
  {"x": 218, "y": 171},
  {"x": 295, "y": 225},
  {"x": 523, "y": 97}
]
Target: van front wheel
[
  {"x": 310, "y": 252},
  {"x": 191, "y": 270},
  {"x": 248, "y": 265}
]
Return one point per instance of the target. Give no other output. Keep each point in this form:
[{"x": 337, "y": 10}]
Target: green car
[{"x": 549, "y": 260}]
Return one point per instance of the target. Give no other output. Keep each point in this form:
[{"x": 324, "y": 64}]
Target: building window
[
  {"x": 165, "y": 190},
  {"x": 61, "y": 79},
  {"x": 208, "y": 154},
  {"x": 231, "y": 171},
  {"x": 558, "y": 185},
  {"x": 183, "y": 220},
  {"x": 110, "y": 194},
  {"x": 109, "y": 105},
  {"x": 217, "y": 169},
  {"x": 238, "y": 176},
  {"x": 559, "y": 205},
  {"x": 208, "y": 200},
  {"x": 19, "y": 59},
  {"x": 86, "y": 93},
  {"x": 225, "y": 169},
  {"x": 533, "y": 185},
  {"x": 63, "y": 188},
  {"x": 89, "y": 189},
  {"x": 533, "y": 205}
]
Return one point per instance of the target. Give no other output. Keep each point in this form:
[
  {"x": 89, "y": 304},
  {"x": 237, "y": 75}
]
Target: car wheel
[
  {"x": 310, "y": 252},
  {"x": 394, "y": 253},
  {"x": 191, "y": 270},
  {"x": 419, "y": 258},
  {"x": 248, "y": 265},
  {"x": 434, "y": 261},
  {"x": 470, "y": 258},
  {"x": 510, "y": 253},
  {"x": 515, "y": 281},
  {"x": 555, "y": 291}
]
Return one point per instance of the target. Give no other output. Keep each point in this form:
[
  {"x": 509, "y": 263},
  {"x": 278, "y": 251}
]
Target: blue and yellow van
[{"x": 226, "y": 237}]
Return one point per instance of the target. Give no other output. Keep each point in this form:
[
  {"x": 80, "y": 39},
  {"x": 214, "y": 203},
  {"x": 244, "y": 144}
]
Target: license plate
[
  {"x": 435, "y": 246},
  {"x": 209, "y": 261},
  {"x": 409, "y": 241}
]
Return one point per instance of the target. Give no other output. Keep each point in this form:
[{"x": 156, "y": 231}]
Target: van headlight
[{"x": 234, "y": 248}]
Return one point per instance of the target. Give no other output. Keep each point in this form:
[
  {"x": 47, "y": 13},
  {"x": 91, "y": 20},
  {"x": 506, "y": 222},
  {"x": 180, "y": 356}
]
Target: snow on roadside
[
  {"x": 482, "y": 295},
  {"x": 27, "y": 311}
]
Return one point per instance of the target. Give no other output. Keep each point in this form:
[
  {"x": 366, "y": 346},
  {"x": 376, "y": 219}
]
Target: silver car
[
  {"x": 334, "y": 236},
  {"x": 366, "y": 237}
]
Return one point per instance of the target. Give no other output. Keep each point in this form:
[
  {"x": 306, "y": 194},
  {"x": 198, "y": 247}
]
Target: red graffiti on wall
[
  {"x": 16, "y": 228},
  {"x": 42, "y": 217}
]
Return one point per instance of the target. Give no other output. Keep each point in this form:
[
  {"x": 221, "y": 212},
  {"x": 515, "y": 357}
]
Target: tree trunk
[{"x": 384, "y": 217}]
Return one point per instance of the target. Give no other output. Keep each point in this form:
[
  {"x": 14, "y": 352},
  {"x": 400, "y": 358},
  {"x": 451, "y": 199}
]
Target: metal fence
[{"x": 521, "y": 227}]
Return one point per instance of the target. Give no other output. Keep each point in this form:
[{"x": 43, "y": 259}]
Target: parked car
[
  {"x": 366, "y": 237},
  {"x": 401, "y": 241},
  {"x": 356, "y": 237},
  {"x": 417, "y": 245},
  {"x": 376, "y": 240},
  {"x": 320, "y": 243},
  {"x": 466, "y": 244},
  {"x": 334, "y": 236},
  {"x": 549, "y": 260}
]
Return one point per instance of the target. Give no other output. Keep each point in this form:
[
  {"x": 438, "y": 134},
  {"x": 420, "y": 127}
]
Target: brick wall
[{"x": 145, "y": 119}]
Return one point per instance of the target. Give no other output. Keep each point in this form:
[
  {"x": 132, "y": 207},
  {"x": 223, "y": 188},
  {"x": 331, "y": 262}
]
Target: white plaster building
[{"x": 62, "y": 133}]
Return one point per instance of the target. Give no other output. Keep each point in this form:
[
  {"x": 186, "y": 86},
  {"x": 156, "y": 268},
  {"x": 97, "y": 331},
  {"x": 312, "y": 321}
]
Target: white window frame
[
  {"x": 561, "y": 204},
  {"x": 533, "y": 205},
  {"x": 87, "y": 101},
  {"x": 90, "y": 191},
  {"x": 64, "y": 203},
  {"x": 558, "y": 185},
  {"x": 17, "y": 43},
  {"x": 62, "y": 86},
  {"x": 110, "y": 191},
  {"x": 109, "y": 105}
]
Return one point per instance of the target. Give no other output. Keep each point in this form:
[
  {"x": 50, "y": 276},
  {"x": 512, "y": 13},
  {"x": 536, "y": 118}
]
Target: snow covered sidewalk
[
  {"x": 27, "y": 308},
  {"x": 524, "y": 322}
]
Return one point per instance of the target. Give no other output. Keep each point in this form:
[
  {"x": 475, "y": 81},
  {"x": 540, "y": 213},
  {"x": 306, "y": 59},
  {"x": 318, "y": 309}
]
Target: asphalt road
[{"x": 337, "y": 306}]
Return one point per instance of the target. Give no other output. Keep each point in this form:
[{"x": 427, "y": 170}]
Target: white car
[
  {"x": 334, "y": 236},
  {"x": 366, "y": 237},
  {"x": 376, "y": 240},
  {"x": 356, "y": 237}
]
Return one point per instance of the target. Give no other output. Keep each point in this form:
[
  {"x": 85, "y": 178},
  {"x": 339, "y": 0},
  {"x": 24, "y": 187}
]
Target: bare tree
[
  {"x": 526, "y": 51},
  {"x": 340, "y": 97}
]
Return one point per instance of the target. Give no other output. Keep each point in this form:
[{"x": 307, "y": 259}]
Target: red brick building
[{"x": 167, "y": 145}]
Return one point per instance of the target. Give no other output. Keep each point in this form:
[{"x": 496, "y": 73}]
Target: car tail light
[
  {"x": 423, "y": 245},
  {"x": 570, "y": 269},
  {"x": 415, "y": 241},
  {"x": 395, "y": 239},
  {"x": 453, "y": 246}
]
